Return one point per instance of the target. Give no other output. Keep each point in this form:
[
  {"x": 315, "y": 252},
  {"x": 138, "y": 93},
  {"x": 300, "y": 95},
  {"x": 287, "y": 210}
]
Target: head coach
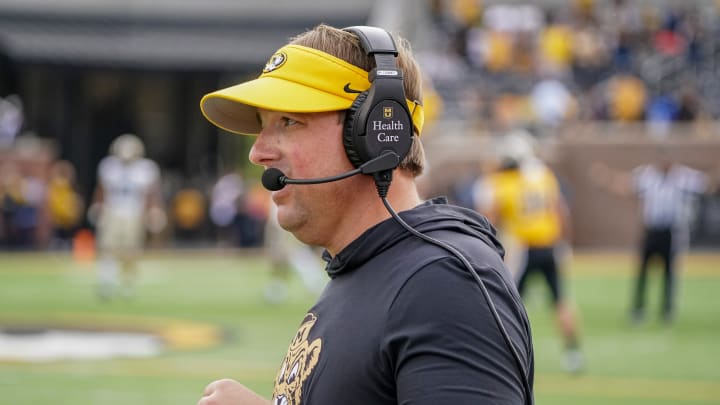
[{"x": 419, "y": 308}]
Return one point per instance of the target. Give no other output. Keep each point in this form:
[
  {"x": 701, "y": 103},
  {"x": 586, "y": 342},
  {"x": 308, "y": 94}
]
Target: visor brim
[{"x": 234, "y": 108}]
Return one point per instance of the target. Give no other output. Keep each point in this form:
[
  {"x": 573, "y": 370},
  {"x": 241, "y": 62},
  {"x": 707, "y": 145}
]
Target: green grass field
[{"x": 648, "y": 364}]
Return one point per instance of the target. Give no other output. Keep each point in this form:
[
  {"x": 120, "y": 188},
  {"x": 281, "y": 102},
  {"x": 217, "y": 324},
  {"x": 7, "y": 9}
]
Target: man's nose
[{"x": 262, "y": 151}]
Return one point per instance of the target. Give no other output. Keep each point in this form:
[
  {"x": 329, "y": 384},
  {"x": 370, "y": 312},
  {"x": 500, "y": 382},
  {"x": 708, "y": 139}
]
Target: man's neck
[{"x": 368, "y": 209}]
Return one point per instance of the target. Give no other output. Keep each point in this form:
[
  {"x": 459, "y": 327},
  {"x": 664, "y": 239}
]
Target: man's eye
[{"x": 286, "y": 122}]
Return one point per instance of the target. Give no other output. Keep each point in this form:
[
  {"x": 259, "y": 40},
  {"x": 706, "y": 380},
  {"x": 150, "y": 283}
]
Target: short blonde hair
[{"x": 346, "y": 46}]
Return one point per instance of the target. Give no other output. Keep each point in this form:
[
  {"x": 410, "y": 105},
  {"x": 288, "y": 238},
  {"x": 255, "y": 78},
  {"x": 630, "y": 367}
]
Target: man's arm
[
  {"x": 93, "y": 212},
  {"x": 155, "y": 215}
]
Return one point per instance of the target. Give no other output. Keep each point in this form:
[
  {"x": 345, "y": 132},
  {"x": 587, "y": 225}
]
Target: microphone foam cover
[{"x": 271, "y": 179}]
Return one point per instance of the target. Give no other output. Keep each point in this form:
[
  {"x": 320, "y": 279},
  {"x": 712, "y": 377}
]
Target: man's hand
[{"x": 230, "y": 392}]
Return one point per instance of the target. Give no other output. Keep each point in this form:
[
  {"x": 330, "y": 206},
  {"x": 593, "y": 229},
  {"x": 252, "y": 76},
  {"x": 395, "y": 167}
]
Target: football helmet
[{"x": 127, "y": 147}]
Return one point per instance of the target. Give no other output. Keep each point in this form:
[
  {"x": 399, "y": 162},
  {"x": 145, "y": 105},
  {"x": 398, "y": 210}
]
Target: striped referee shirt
[{"x": 666, "y": 197}]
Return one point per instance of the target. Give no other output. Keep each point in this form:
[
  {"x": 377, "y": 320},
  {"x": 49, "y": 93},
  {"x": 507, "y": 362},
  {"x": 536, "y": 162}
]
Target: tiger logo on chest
[{"x": 299, "y": 362}]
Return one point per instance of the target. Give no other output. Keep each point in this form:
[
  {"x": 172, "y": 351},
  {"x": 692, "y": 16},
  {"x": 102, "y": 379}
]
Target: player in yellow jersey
[{"x": 523, "y": 199}]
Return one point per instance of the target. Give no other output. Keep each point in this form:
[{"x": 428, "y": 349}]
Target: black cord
[{"x": 486, "y": 294}]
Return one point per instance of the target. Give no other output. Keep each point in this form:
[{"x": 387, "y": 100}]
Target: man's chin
[{"x": 287, "y": 220}]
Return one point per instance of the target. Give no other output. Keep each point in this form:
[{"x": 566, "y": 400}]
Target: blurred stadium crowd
[
  {"x": 494, "y": 66},
  {"x": 541, "y": 65}
]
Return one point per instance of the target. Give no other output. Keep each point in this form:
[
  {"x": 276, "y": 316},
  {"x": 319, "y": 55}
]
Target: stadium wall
[{"x": 600, "y": 220}]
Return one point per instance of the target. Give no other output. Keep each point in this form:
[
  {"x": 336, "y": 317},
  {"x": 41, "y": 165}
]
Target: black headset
[{"x": 378, "y": 121}]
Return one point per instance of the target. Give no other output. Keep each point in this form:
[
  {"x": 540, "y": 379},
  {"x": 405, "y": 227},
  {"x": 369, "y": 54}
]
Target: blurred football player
[
  {"x": 288, "y": 254},
  {"x": 127, "y": 204},
  {"x": 523, "y": 199}
]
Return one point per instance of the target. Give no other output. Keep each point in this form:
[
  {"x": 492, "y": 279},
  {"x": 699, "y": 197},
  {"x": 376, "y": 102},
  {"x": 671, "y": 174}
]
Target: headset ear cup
[{"x": 349, "y": 135}]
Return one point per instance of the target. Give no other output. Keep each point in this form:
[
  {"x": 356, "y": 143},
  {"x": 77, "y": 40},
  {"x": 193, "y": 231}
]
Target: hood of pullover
[{"x": 430, "y": 216}]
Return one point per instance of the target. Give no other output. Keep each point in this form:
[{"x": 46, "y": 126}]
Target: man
[
  {"x": 665, "y": 190},
  {"x": 523, "y": 198},
  {"x": 126, "y": 204},
  {"x": 400, "y": 320}
]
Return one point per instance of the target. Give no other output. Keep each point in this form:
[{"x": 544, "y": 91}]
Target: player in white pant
[{"x": 127, "y": 204}]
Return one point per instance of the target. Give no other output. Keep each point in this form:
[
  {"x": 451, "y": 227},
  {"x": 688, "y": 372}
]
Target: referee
[{"x": 665, "y": 190}]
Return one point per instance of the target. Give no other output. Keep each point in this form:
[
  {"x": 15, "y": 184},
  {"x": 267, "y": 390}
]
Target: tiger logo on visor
[{"x": 275, "y": 62}]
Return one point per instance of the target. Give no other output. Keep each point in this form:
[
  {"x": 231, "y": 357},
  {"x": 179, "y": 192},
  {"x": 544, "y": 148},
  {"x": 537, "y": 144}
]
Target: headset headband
[
  {"x": 379, "y": 120},
  {"x": 379, "y": 44}
]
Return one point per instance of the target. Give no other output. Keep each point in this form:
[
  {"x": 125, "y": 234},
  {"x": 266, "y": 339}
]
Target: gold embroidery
[{"x": 299, "y": 362}]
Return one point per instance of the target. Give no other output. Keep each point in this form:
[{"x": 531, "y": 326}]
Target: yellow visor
[{"x": 295, "y": 79}]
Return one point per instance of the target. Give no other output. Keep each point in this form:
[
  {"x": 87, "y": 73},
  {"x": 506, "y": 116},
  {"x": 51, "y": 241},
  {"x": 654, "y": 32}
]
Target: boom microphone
[{"x": 274, "y": 179}]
